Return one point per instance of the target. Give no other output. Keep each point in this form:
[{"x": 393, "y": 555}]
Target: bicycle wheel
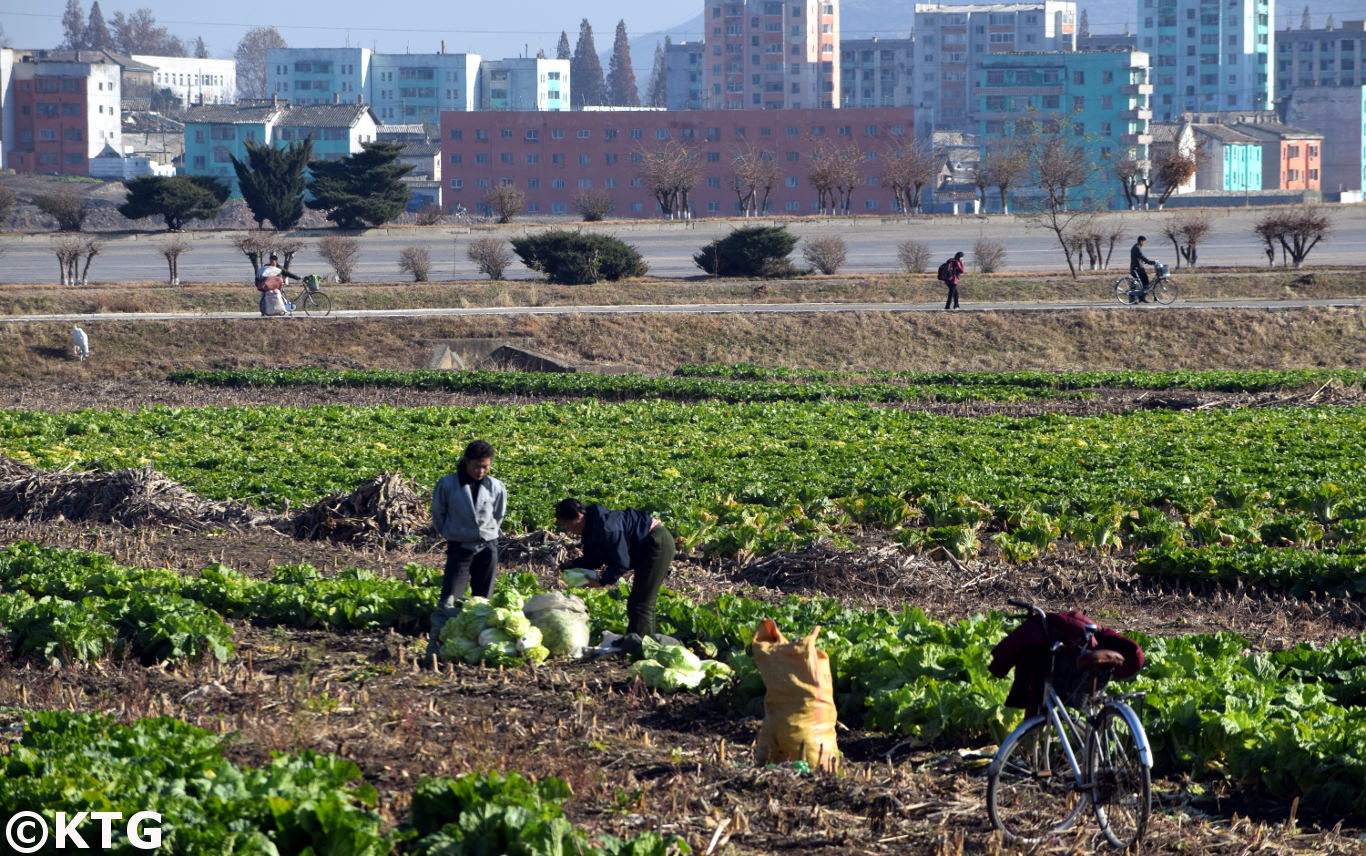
[
  {"x": 1121, "y": 784},
  {"x": 1032, "y": 794},
  {"x": 315, "y": 303},
  {"x": 1124, "y": 290},
  {"x": 1165, "y": 291}
]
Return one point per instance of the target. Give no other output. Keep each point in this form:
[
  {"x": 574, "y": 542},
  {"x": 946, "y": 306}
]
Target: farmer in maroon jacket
[{"x": 954, "y": 272}]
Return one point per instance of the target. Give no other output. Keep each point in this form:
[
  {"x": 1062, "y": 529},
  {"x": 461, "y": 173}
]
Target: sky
[{"x": 495, "y": 29}]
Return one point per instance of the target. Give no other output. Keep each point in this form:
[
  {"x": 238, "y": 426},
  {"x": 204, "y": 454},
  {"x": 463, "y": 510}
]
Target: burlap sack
[{"x": 799, "y": 707}]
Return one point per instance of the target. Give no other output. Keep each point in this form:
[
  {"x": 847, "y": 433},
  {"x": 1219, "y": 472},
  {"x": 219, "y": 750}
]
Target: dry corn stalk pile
[
  {"x": 131, "y": 497},
  {"x": 382, "y": 512}
]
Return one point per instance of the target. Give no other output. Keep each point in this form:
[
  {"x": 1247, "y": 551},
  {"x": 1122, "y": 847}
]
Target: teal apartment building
[
  {"x": 1100, "y": 98},
  {"x": 1209, "y": 54},
  {"x": 214, "y": 134}
]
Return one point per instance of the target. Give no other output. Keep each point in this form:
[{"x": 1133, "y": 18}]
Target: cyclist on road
[{"x": 1136, "y": 262}]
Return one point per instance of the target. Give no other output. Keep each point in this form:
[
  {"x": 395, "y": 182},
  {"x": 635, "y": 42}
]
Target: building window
[
  {"x": 792, "y": 181},
  {"x": 505, "y": 157},
  {"x": 533, "y": 183},
  {"x": 584, "y": 134},
  {"x": 481, "y": 158},
  {"x": 585, "y": 160},
  {"x": 532, "y": 135},
  {"x": 558, "y": 158},
  {"x": 457, "y": 159},
  {"x": 557, "y": 184},
  {"x": 457, "y": 183}
]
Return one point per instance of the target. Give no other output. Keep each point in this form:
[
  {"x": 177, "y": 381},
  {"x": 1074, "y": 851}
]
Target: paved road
[
  {"x": 668, "y": 247},
  {"x": 703, "y": 309}
]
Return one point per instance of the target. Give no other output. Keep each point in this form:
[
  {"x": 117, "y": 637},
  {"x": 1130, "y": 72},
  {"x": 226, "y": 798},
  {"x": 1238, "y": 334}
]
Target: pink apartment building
[{"x": 554, "y": 157}]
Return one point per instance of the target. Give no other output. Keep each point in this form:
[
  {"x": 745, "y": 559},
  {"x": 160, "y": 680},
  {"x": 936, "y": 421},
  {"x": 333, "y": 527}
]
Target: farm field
[{"x": 1218, "y": 515}]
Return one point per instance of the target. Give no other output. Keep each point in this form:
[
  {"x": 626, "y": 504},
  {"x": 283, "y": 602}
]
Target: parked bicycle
[
  {"x": 1161, "y": 287},
  {"x": 310, "y": 298},
  {"x": 1061, "y": 760}
]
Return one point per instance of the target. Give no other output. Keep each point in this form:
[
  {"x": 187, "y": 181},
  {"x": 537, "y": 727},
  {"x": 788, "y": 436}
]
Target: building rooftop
[
  {"x": 325, "y": 115},
  {"x": 241, "y": 113},
  {"x": 1277, "y": 131},
  {"x": 95, "y": 57},
  {"x": 1225, "y": 134}
]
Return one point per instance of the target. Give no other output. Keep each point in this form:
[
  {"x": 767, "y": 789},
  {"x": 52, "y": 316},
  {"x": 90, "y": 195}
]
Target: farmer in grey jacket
[{"x": 467, "y": 510}]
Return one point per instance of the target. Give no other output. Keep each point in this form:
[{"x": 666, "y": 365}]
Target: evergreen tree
[
  {"x": 585, "y": 70},
  {"x": 1304, "y": 19},
  {"x": 177, "y": 199},
  {"x": 201, "y": 50},
  {"x": 1084, "y": 28},
  {"x": 561, "y": 50},
  {"x": 621, "y": 78},
  {"x": 656, "y": 93},
  {"x": 96, "y": 31},
  {"x": 73, "y": 25},
  {"x": 273, "y": 181},
  {"x": 364, "y": 187}
]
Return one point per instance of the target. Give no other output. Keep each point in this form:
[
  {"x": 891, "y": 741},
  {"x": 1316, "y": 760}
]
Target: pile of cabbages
[{"x": 506, "y": 630}]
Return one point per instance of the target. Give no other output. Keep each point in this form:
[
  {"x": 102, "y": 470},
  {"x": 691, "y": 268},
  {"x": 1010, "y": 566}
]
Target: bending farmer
[
  {"x": 621, "y": 541},
  {"x": 467, "y": 510}
]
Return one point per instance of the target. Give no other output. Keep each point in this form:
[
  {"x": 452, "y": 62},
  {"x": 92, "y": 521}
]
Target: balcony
[
  {"x": 1136, "y": 139},
  {"x": 1137, "y": 89},
  {"x": 1138, "y": 113}
]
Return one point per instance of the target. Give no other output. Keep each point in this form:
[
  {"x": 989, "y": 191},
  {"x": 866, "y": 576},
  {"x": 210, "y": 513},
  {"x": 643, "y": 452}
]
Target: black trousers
[
  {"x": 1141, "y": 276},
  {"x": 650, "y": 566},
  {"x": 468, "y": 566},
  {"x": 952, "y": 302}
]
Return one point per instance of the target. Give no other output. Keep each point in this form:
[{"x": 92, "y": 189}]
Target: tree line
[
  {"x": 135, "y": 33},
  {"x": 590, "y": 88}
]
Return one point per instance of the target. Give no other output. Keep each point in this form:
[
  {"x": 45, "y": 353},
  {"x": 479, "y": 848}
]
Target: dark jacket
[
  {"x": 612, "y": 539},
  {"x": 1137, "y": 259},
  {"x": 1026, "y": 650}
]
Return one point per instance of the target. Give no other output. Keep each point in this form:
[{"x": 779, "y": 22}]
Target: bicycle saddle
[{"x": 1100, "y": 658}]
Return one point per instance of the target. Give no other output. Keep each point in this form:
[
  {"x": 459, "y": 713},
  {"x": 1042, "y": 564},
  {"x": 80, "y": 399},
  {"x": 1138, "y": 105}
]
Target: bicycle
[
  {"x": 1038, "y": 785},
  {"x": 1162, "y": 287},
  {"x": 311, "y": 298}
]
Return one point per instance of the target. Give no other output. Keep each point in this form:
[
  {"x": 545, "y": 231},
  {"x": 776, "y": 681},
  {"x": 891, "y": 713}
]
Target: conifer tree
[
  {"x": 177, "y": 199},
  {"x": 562, "y": 50},
  {"x": 585, "y": 70},
  {"x": 364, "y": 187},
  {"x": 656, "y": 93},
  {"x": 73, "y": 25},
  {"x": 97, "y": 35},
  {"x": 273, "y": 181},
  {"x": 621, "y": 78}
]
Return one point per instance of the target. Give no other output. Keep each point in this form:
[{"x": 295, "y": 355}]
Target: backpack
[
  {"x": 944, "y": 275},
  {"x": 270, "y": 283}
]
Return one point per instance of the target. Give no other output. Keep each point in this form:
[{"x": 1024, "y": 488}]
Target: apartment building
[
  {"x": 553, "y": 158},
  {"x": 1098, "y": 98},
  {"x": 684, "y": 84},
  {"x": 1292, "y": 158},
  {"x": 1339, "y": 113},
  {"x": 876, "y": 72},
  {"x": 60, "y": 109},
  {"x": 1321, "y": 57},
  {"x": 952, "y": 42},
  {"x": 419, "y": 87},
  {"x": 193, "y": 80},
  {"x": 771, "y": 54},
  {"x": 524, "y": 83},
  {"x": 319, "y": 75},
  {"x": 1208, "y": 55}
]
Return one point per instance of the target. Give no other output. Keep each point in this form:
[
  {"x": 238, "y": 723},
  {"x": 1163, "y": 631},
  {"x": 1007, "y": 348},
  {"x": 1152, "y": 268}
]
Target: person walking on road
[
  {"x": 953, "y": 270},
  {"x": 1136, "y": 262},
  {"x": 467, "y": 510},
  {"x": 621, "y": 541}
]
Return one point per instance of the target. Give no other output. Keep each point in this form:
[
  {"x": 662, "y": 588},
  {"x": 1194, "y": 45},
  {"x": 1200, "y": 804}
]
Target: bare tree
[
  {"x": 753, "y": 175},
  {"x": 593, "y": 205},
  {"x": 429, "y": 214},
  {"x": 1186, "y": 234},
  {"x": 670, "y": 172},
  {"x": 491, "y": 255},
  {"x": 913, "y": 255},
  {"x": 1002, "y": 166},
  {"x": 835, "y": 174},
  {"x": 1132, "y": 173},
  {"x": 1297, "y": 231},
  {"x": 7, "y": 202},
  {"x": 251, "y": 60},
  {"x": 825, "y": 254},
  {"x": 1173, "y": 168},
  {"x": 69, "y": 249},
  {"x": 67, "y": 207},
  {"x": 1060, "y": 167},
  {"x": 173, "y": 249},
  {"x": 906, "y": 171},
  {"x": 1097, "y": 241},
  {"x": 505, "y": 202},
  {"x": 989, "y": 255},
  {"x": 416, "y": 261},
  {"x": 342, "y": 254}
]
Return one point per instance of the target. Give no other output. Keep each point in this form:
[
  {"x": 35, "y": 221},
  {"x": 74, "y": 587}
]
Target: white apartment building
[
  {"x": 193, "y": 80},
  {"x": 876, "y": 72},
  {"x": 1208, "y": 56},
  {"x": 417, "y": 87},
  {"x": 684, "y": 87},
  {"x": 771, "y": 54},
  {"x": 319, "y": 75},
  {"x": 524, "y": 83},
  {"x": 950, "y": 41}
]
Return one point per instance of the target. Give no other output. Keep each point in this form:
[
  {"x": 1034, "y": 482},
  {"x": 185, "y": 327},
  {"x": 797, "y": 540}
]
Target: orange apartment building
[{"x": 771, "y": 54}]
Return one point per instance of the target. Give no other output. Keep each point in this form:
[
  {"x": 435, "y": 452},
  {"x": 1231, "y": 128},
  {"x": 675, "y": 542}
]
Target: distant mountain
[{"x": 864, "y": 19}]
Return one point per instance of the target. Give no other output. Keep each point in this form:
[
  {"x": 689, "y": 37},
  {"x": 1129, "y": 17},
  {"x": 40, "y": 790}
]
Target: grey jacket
[{"x": 455, "y": 519}]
